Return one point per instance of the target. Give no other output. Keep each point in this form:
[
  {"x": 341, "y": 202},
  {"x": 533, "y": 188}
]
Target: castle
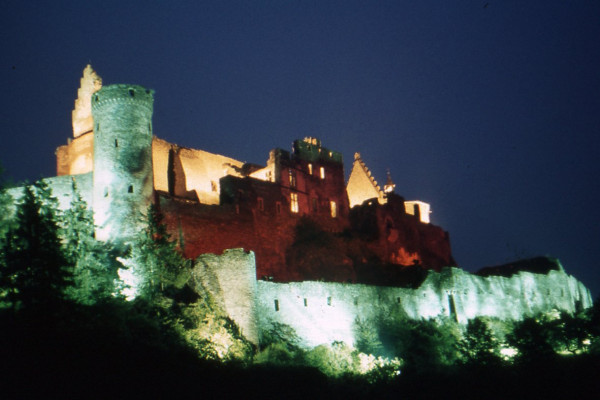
[{"x": 366, "y": 251}]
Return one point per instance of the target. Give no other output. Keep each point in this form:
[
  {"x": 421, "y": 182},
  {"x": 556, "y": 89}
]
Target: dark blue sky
[{"x": 488, "y": 110}]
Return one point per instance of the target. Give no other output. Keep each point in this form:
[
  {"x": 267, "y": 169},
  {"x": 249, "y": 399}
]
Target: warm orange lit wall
[
  {"x": 192, "y": 170},
  {"x": 361, "y": 185},
  {"x": 403, "y": 239},
  {"x": 76, "y": 157}
]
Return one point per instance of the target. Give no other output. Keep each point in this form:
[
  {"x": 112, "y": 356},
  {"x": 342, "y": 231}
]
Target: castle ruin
[{"x": 379, "y": 252}]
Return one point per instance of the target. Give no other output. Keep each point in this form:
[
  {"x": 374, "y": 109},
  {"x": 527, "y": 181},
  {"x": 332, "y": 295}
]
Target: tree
[
  {"x": 95, "y": 263},
  {"x": 156, "y": 258},
  {"x": 426, "y": 345},
  {"x": 478, "y": 346},
  {"x": 36, "y": 270},
  {"x": 569, "y": 333},
  {"x": 532, "y": 340},
  {"x": 5, "y": 211},
  {"x": 367, "y": 337}
]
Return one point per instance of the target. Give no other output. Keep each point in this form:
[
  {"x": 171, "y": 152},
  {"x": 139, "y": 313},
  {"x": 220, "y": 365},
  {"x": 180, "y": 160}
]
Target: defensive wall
[
  {"x": 62, "y": 189},
  {"x": 323, "y": 312},
  {"x": 230, "y": 279}
]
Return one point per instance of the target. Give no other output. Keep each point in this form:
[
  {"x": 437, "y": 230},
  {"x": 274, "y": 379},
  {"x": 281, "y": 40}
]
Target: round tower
[{"x": 123, "y": 179}]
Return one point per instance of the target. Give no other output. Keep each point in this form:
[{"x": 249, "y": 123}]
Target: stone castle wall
[
  {"x": 326, "y": 312},
  {"x": 230, "y": 279},
  {"x": 62, "y": 189}
]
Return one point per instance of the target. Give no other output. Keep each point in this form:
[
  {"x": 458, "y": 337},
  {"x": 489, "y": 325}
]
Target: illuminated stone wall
[
  {"x": 122, "y": 177},
  {"x": 180, "y": 171},
  {"x": 62, "y": 190},
  {"x": 230, "y": 279},
  {"x": 325, "y": 312},
  {"x": 76, "y": 157},
  {"x": 81, "y": 116},
  {"x": 419, "y": 209},
  {"x": 362, "y": 186}
]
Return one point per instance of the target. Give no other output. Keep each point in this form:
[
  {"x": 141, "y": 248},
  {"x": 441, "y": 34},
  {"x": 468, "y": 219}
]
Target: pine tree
[
  {"x": 156, "y": 257},
  {"x": 36, "y": 270},
  {"x": 95, "y": 264},
  {"x": 5, "y": 211}
]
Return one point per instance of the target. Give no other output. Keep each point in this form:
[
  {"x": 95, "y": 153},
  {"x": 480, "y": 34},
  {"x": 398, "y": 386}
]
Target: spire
[
  {"x": 389, "y": 185},
  {"x": 82, "y": 113}
]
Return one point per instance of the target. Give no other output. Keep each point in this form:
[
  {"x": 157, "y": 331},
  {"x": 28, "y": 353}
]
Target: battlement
[
  {"x": 120, "y": 93},
  {"x": 310, "y": 149}
]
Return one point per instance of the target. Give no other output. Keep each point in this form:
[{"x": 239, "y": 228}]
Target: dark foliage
[
  {"x": 533, "y": 341},
  {"x": 95, "y": 262},
  {"x": 478, "y": 346},
  {"x": 35, "y": 270}
]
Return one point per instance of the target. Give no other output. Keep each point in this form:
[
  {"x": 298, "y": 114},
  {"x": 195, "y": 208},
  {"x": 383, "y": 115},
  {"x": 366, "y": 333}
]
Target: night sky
[{"x": 488, "y": 110}]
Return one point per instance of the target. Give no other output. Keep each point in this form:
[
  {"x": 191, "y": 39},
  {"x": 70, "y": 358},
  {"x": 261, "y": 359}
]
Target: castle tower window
[
  {"x": 329, "y": 301},
  {"x": 294, "y": 202},
  {"x": 334, "y": 211},
  {"x": 105, "y": 192},
  {"x": 292, "y": 175},
  {"x": 305, "y": 302},
  {"x": 261, "y": 204},
  {"x": 278, "y": 208},
  {"x": 322, "y": 172},
  {"x": 276, "y": 304},
  {"x": 310, "y": 169},
  {"x": 130, "y": 189},
  {"x": 131, "y": 92},
  {"x": 116, "y": 143}
]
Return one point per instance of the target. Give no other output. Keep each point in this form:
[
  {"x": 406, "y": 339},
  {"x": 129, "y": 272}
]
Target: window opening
[
  {"x": 130, "y": 189},
  {"x": 322, "y": 172},
  {"x": 329, "y": 301},
  {"x": 292, "y": 174},
  {"x": 294, "y": 202},
  {"x": 305, "y": 302},
  {"x": 105, "y": 192},
  {"x": 310, "y": 169},
  {"x": 278, "y": 208},
  {"x": 261, "y": 204},
  {"x": 452, "y": 306},
  {"x": 333, "y": 206},
  {"x": 417, "y": 211},
  {"x": 131, "y": 92},
  {"x": 276, "y": 304},
  {"x": 116, "y": 143}
]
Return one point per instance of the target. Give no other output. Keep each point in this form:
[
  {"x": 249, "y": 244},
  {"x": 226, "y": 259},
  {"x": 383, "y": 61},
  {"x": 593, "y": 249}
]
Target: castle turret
[{"x": 122, "y": 183}]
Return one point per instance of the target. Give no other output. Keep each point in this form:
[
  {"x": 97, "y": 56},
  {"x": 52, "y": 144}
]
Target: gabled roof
[{"x": 361, "y": 185}]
